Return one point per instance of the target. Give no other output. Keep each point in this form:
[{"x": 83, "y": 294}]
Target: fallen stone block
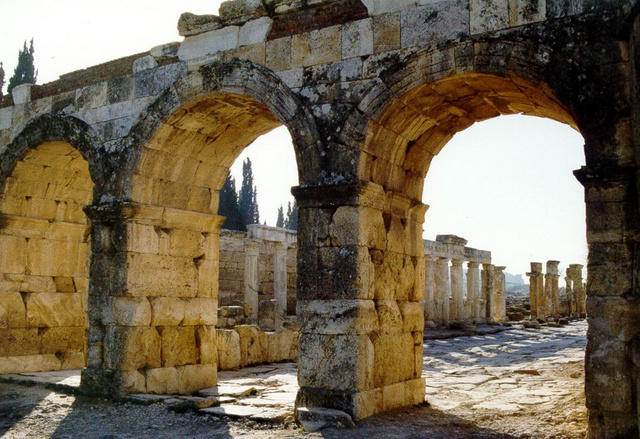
[{"x": 318, "y": 418}]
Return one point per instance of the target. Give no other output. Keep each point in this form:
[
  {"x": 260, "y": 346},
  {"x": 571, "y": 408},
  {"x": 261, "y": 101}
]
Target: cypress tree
[
  {"x": 25, "y": 72},
  {"x": 228, "y": 205},
  {"x": 280, "y": 220},
  {"x": 1, "y": 79},
  {"x": 247, "y": 198},
  {"x": 291, "y": 222}
]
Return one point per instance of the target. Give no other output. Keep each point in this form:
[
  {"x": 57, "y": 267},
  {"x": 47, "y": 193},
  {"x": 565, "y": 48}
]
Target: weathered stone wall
[
  {"x": 248, "y": 345},
  {"x": 370, "y": 91},
  {"x": 44, "y": 242}
]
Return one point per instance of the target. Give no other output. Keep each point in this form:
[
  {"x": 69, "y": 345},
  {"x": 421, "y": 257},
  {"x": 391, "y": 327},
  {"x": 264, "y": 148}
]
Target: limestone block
[
  {"x": 255, "y": 53},
  {"x": 162, "y": 381},
  {"x": 239, "y": 11},
  {"x": 186, "y": 243},
  {"x": 357, "y": 38},
  {"x": 316, "y": 47},
  {"x": 252, "y": 344},
  {"x": 526, "y": 11},
  {"x": 64, "y": 284},
  {"x": 58, "y": 340},
  {"x": 54, "y": 309},
  {"x": 489, "y": 15},
  {"x": 192, "y": 24},
  {"x": 141, "y": 238},
  {"x": 91, "y": 96},
  {"x": 178, "y": 346},
  {"x": 368, "y": 403},
  {"x": 336, "y": 362},
  {"x": 132, "y": 381},
  {"x": 157, "y": 275},
  {"x": 197, "y": 377},
  {"x": 337, "y": 316},
  {"x": 46, "y": 257},
  {"x": 73, "y": 360},
  {"x": 393, "y": 396},
  {"x": 207, "y": 278},
  {"x": 207, "y": 342},
  {"x": 317, "y": 418},
  {"x": 28, "y": 363},
  {"x": 132, "y": 348},
  {"x": 21, "y": 94},
  {"x": 254, "y": 31},
  {"x": 377, "y": 7},
  {"x": 229, "y": 356},
  {"x": 6, "y": 115},
  {"x": 12, "y": 311},
  {"x": 144, "y": 63},
  {"x": 358, "y": 226},
  {"x": 412, "y": 316},
  {"x": 287, "y": 345},
  {"x": 209, "y": 43},
  {"x": 129, "y": 311},
  {"x": 292, "y": 77},
  {"x": 15, "y": 342},
  {"x": 278, "y": 54},
  {"x": 13, "y": 257},
  {"x": 389, "y": 316},
  {"x": 166, "y": 311},
  {"x": 435, "y": 22},
  {"x": 394, "y": 359},
  {"x": 166, "y": 51},
  {"x": 200, "y": 311},
  {"x": 37, "y": 284}
]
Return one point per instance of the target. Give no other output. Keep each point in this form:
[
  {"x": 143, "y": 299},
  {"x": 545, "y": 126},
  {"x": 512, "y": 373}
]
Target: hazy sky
[{"x": 505, "y": 184}]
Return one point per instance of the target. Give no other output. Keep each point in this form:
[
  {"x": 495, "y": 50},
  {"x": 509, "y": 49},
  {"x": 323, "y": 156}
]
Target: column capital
[
  {"x": 473, "y": 264},
  {"x": 456, "y": 262}
]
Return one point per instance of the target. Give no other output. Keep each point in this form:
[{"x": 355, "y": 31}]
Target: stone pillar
[
  {"x": 569, "y": 293},
  {"x": 457, "y": 298},
  {"x": 430, "y": 312},
  {"x": 152, "y": 300},
  {"x": 473, "y": 289},
  {"x": 488, "y": 286},
  {"x": 360, "y": 284},
  {"x": 500, "y": 294},
  {"x": 443, "y": 290},
  {"x": 552, "y": 277},
  {"x": 578, "y": 290},
  {"x": 280, "y": 278},
  {"x": 251, "y": 280},
  {"x": 535, "y": 290}
]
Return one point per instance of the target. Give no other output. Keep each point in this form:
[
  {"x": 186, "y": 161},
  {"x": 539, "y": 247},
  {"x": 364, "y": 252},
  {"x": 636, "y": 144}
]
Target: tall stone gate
[{"x": 110, "y": 180}]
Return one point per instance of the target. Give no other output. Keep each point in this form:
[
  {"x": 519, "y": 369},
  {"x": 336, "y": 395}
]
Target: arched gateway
[{"x": 370, "y": 92}]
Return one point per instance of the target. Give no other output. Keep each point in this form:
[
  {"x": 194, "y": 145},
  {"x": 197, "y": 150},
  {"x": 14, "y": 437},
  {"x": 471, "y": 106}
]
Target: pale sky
[{"x": 505, "y": 184}]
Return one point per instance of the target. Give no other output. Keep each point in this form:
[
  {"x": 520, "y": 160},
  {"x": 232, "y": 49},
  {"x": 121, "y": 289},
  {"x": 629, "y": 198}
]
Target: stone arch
[
  {"x": 45, "y": 182},
  {"x": 158, "y": 335}
]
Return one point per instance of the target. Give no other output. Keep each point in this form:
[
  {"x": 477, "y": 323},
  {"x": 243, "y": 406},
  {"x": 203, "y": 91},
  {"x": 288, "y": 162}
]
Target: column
[
  {"x": 361, "y": 321},
  {"x": 552, "y": 277},
  {"x": 430, "y": 312},
  {"x": 473, "y": 289},
  {"x": 578, "y": 290},
  {"x": 443, "y": 290},
  {"x": 280, "y": 279},
  {"x": 457, "y": 298},
  {"x": 499, "y": 304},
  {"x": 571, "y": 294},
  {"x": 251, "y": 279},
  {"x": 152, "y": 300},
  {"x": 488, "y": 285},
  {"x": 535, "y": 287},
  {"x": 568, "y": 293}
]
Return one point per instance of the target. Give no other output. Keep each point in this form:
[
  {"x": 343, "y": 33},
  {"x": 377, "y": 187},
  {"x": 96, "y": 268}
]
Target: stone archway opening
[
  {"x": 44, "y": 262},
  {"x": 161, "y": 335}
]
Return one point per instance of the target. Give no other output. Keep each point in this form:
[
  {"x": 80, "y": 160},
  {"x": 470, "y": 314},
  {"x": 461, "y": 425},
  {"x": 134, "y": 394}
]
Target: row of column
[
  {"x": 544, "y": 295},
  {"x": 444, "y": 292},
  {"x": 251, "y": 281}
]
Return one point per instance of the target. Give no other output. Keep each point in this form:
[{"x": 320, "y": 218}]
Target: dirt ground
[{"x": 517, "y": 385}]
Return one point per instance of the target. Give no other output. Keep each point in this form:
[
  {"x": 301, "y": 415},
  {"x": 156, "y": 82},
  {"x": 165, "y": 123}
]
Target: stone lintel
[
  {"x": 275, "y": 234},
  {"x": 451, "y": 239}
]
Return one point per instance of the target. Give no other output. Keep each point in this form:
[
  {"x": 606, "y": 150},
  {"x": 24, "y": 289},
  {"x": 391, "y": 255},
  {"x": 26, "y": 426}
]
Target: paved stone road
[{"x": 519, "y": 383}]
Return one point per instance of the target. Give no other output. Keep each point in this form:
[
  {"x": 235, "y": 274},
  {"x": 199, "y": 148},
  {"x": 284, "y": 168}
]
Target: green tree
[
  {"x": 25, "y": 71},
  {"x": 280, "y": 220},
  {"x": 1, "y": 79},
  {"x": 228, "y": 206},
  {"x": 247, "y": 199},
  {"x": 291, "y": 222}
]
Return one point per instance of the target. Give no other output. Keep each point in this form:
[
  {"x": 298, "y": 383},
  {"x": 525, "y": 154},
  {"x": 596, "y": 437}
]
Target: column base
[
  {"x": 366, "y": 403},
  {"x": 612, "y": 425}
]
